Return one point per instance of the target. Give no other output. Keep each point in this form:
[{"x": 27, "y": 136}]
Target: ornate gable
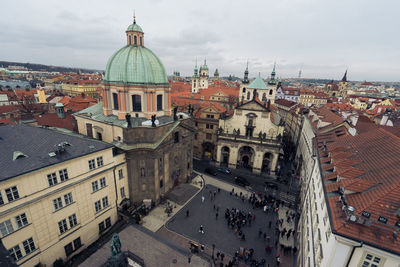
[{"x": 253, "y": 105}]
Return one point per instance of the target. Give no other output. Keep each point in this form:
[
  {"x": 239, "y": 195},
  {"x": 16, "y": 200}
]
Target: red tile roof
[
  {"x": 369, "y": 171},
  {"x": 52, "y": 120}
]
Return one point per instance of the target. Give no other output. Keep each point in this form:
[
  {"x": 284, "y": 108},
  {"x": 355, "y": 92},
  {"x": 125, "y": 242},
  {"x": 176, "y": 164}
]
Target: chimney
[{"x": 60, "y": 110}]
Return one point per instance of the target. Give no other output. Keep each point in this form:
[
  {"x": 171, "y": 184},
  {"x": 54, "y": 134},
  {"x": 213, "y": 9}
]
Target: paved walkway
[{"x": 151, "y": 249}]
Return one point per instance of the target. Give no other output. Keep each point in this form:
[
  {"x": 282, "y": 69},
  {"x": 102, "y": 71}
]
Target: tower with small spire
[
  {"x": 272, "y": 84},
  {"x": 204, "y": 76},
  {"x": 243, "y": 85},
  {"x": 343, "y": 85},
  {"x": 195, "y": 80},
  {"x": 216, "y": 75}
]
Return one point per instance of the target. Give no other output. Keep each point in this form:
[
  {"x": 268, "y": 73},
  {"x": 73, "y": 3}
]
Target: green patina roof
[
  {"x": 135, "y": 65},
  {"x": 135, "y": 28},
  {"x": 258, "y": 83}
]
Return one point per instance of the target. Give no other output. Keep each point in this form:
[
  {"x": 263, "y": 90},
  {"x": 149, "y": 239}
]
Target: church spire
[
  {"x": 246, "y": 74},
  {"x": 344, "y": 79}
]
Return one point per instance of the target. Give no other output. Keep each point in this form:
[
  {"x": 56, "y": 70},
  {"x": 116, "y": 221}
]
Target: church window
[
  {"x": 270, "y": 92},
  {"x": 141, "y": 40},
  {"x": 142, "y": 172},
  {"x": 115, "y": 101},
  {"x": 159, "y": 102},
  {"x": 136, "y": 103},
  {"x": 264, "y": 97},
  {"x": 130, "y": 40},
  {"x": 244, "y": 89},
  {"x": 248, "y": 95},
  {"x": 135, "y": 40}
]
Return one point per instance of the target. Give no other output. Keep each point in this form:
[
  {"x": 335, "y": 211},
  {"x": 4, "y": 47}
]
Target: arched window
[
  {"x": 248, "y": 95},
  {"x": 270, "y": 92},
  {"x": 130, "y": 40},
  {"x": 264, "y": 97},
  {"x": 141, "y": 41},
  {"x": 244, "y": 89},
  {"x": 136, "y": 103},
  {"x": 159, "y": 102},
  {"x": 135, "y": 40}
]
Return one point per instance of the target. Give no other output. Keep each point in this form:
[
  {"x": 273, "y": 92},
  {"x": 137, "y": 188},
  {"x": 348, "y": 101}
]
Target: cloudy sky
[{"x": 321, "y": 37}]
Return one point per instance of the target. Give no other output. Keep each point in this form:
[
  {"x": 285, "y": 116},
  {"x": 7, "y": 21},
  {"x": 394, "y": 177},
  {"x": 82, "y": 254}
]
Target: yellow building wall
[{"x": 36, "y": 201}]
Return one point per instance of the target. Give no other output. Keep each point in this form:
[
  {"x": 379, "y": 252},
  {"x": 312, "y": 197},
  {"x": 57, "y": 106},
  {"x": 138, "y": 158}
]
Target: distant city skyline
[{"x": 322, "y": 38}]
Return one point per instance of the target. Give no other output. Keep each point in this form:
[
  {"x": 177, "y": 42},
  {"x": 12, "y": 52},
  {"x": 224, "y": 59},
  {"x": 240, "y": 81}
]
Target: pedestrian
[
  {"x": 218, "y": 253},
  {"x": 222, "y": 256},
  {"x": 269, "y": 224},
  {"x": 214, "y": 206},
  {"x": 216, "y": 216},
  {"x": 202, "y": 199},
  {"x": 187, "y": 213},
  {"x": 259, "y": 232},
  {"x": 189, "y": 258},
  {"x": 201, "y": 229},
  {"x": 265, "y": 236}
]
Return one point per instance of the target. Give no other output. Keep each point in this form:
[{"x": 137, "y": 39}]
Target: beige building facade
[
  {"x": 250, "y": 138},
  {"x": 59, "y": 208}
]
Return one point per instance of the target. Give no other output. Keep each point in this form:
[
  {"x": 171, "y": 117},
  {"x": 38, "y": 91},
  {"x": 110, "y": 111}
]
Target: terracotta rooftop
[{"x": 368, "y": 168}]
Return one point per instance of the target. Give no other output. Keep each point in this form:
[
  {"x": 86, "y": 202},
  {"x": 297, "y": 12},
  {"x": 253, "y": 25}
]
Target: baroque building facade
[
  {"x": 200, "y": 78},
  {"x": 136, "y": 117}
]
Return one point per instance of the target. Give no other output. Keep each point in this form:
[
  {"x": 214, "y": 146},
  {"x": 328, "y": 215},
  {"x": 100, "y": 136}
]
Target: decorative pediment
[{"x": 253, "y": 105}]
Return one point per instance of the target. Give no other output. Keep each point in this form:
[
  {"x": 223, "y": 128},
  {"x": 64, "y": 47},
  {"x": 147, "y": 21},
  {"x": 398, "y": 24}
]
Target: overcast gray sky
[{"x": 322, "y": 37}]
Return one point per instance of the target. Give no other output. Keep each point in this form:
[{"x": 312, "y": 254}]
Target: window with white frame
[
  {"x": 6, "y": 228},
  {"x": 72, "y": 220},
  {"x": 29, "y": 246},
  {"x": 15, "y": 253},
  {"x": 63, "y": 175},
  {"x": 105, "y": 202},
  {"x": 95, "y": 186},
  {"x": 100, "y": 161},
  {"x": 52, "y": 179},
  {"x": 62, "y": 226},
  {"x": 57, "y": 203},
  {"x": 371, "y": 260},
  {"x": 103, "y": 182},
  {"x": 21, "y": 220},
  {"x": 92, "y": 164},
  {"x": 12, "y": 193},
  {"x": 68, "y": 199},
  {"x": 97, "y": 206}
]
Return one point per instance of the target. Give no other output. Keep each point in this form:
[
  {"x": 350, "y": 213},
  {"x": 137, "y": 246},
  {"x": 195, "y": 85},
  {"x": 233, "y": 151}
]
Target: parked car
[
  {"x": 271, "y": 185},
  {"x": 211, "y": 171},
  {"x": 224, "y": 170},
  {"x": 241, "y": 181}
]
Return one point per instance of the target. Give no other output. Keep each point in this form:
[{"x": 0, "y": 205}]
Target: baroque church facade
[
  {"x": 136, "y": 117},
  {"x": 200, "y": 78},
  {"x": 250, "y": 138}
]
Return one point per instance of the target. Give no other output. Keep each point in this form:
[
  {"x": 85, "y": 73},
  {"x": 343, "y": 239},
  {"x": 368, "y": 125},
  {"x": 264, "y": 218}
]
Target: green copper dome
[
  {"x": 135, "y": 65},
  {"x": 134, "y": 28}
]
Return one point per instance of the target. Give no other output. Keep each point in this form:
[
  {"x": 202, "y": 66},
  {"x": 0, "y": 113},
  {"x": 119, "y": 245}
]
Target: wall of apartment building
[
  {"x": 108, "y": 132},
  {"x": 36, "y": 201}
]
